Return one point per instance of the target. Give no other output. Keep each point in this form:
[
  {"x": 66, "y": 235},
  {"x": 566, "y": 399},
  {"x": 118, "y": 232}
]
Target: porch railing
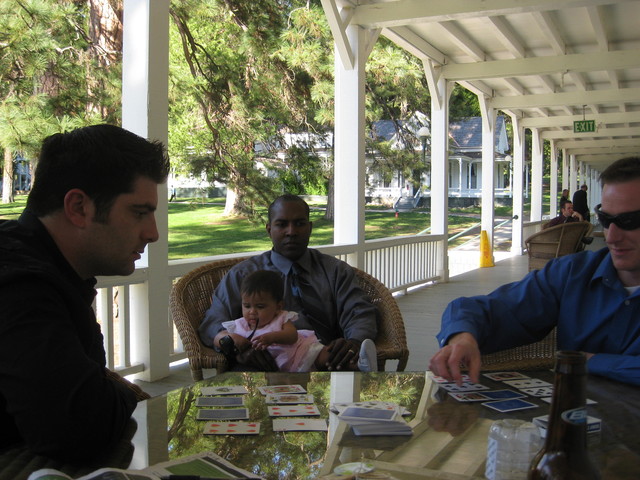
[{"x": 398, "y": 262}]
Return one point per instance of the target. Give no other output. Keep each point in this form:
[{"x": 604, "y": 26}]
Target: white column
[
  {"x": 440, "y": 169},
  {"x": 145, "y": 93},
  {"x": 565, "y": 171},
  {"x": 573, "y": 175},
  {"x": 349, "y": 169},
  {"x": 537, "y": 166},
  {"x": 517, "y": 187},
  {"x": 553, "y": 187},
  {"x": 488, "y": 167}
]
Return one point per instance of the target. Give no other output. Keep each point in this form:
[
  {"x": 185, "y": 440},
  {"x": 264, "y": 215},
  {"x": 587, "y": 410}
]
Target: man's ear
[
  {"x": 310, "y": 227},
  {"x": 268, "y": 227},
  {"x": 78, "y": 207}
]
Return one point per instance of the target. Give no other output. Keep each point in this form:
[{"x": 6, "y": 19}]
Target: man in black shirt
[{"x": 90, "y": 212}]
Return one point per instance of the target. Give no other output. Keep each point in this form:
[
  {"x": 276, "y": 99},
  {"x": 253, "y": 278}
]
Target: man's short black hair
[
  {"x": 103, "y": 161},
  {"x": 563, "y": 203},
  {"x": 263, "y": 281},
  {"x": 287, "y": 197},
  {"x": 622, "y": 170}
]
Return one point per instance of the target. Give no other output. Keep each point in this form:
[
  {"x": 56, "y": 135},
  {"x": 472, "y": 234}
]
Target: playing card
[
  {"x": 502, "y": 394},
  {"x": 589, "y": 401},
  {"x": 219, "y": 401},
  {"x": 527, "y": 383},
  {"x": 340, "y": 407},
  {"x": 299, "y": 424},
  {"x": 227, "y": 390},
  {"x": 231, "y": 428},
  {"x": 538, "y": 392},
  {"x": 293, "y": 410},
  {"x": 502, "y": 376},
  {"x": 509, "y": 405},
  {"x": 278, "y": 389},
  {"x": 223, "y": 414},
  {"x": 438, "y": 379},
  {"x": 289, "y": 398},
  {"x": 469, "y": 396},
  {"x": 465, "y": 387}
]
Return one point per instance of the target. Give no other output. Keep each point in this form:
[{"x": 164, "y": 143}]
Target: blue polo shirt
[{"x": 581, "y": 294}]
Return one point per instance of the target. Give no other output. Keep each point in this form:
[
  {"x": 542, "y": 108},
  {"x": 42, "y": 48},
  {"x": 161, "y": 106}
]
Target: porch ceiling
[{"x": 546, "y": 62}]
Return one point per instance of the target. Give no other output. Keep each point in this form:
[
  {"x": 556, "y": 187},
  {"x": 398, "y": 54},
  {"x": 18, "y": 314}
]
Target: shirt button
[{"x": 627, "y": 302}]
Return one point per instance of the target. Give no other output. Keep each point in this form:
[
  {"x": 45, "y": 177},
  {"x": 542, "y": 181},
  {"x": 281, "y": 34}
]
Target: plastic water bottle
[{"x": 511, "y": 446}]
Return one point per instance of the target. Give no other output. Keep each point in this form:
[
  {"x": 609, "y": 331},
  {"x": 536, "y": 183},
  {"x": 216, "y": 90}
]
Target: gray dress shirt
[{"x": 349, "y": 313}]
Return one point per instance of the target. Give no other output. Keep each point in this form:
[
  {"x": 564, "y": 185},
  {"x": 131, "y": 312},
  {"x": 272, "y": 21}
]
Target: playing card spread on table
[
  {"x": 509, "y": 405},
  {"x": 219, "y": 401},
  {"x": 469, "y": 396},
  {"x": 527, "y": 383},
  {"x": 589, "y": 401},
  {"x": 279, "y": 389},
  {"x": 227, "y": 390},
  {"x": 465, "y": 387},
  {"x": 438, "y": 379},
  {"x": 231, "y": 428},
  {"x": 299, "y": 424},
  {"x": 223, "y": 414},
  {"x": 340, "y": 407},
  {"x": 538, "y": 392},
  {"x": 502, "y": 394},
  {"x": 293, "y": 410},
  {"x": 502, "y": 376},
  {"x": 289, "y": 399}
]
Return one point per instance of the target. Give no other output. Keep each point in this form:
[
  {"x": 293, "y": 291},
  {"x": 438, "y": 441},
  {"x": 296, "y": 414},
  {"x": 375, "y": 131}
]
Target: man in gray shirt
[{"x": 322, "y": 289}]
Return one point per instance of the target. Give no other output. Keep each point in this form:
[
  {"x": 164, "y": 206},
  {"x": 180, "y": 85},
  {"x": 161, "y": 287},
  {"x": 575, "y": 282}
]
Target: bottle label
[{"x": 575, "y": 416}]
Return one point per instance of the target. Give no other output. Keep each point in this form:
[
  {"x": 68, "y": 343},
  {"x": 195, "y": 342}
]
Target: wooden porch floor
[{"x": 421, "y": 310}]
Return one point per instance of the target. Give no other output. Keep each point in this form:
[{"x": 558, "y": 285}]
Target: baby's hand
[{"x": 261, "y": 342}]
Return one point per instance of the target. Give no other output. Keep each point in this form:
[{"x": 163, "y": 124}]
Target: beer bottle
[{"x": 564, "y": 455}]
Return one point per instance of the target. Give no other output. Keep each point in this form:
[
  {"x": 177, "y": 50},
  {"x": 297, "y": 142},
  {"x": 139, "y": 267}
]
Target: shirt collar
[
  {"x": 606, "y": 272},
  {"x": 284, "y": 264}
]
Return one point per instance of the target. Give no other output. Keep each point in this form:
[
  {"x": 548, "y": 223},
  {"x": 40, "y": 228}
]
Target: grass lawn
[{"x": 197, "y": 229}]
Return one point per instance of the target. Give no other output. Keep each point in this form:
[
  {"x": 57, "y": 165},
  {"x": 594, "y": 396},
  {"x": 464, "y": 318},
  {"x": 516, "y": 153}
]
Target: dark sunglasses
[{"x": 625, "y": 221}]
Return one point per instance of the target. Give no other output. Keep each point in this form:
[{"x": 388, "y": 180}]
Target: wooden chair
[
  {"x": 191, "y": 297},
  {"x": 535, "y": 356},
  {"x": 555, "y": 242}
]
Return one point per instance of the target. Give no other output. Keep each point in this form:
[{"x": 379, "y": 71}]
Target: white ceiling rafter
[{"x": 548, "y": 63}]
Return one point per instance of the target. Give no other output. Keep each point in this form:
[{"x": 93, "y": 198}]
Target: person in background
[
  {"x": 265, "y": 325},
  {"x": 322, "y": 289},
  {"x": 591, "y": 297},
  {"x": 90, "y": 212},
  {"x": 567, "y": 215},
  {"x": 580, "y": 203},
  {"x": 565, "y": 196}
]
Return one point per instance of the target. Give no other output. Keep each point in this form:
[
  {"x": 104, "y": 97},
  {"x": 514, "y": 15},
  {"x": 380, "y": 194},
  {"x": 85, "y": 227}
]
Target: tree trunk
[
  {"x": 7, "y": 177},
  {"x": 328, "y": 214}
]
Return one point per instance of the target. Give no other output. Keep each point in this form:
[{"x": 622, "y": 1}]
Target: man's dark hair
[
  {"x": 622, "y": 170},
  {"x": 287, "y": 197},
  {"x": 104, "y": 161},
  {"x": 263, "y": 281},
  {"x": 563, "y": 203}
]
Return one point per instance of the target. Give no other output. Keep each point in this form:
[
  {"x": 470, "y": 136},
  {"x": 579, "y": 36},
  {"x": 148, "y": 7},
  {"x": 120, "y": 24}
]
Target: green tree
[{"x": 49, "y": 80}]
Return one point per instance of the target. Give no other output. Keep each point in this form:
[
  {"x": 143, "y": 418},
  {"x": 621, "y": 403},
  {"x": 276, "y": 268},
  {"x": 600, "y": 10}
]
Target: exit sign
[{"x": 584, "y": 126}]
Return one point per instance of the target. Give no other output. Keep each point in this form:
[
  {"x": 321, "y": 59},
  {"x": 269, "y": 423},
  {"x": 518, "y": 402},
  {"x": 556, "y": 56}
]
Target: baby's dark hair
[{"x": 265, "y": 281}]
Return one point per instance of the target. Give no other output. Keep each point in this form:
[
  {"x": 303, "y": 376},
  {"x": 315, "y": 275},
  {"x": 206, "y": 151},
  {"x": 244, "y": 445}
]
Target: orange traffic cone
[{"x": 486, "y": 255}]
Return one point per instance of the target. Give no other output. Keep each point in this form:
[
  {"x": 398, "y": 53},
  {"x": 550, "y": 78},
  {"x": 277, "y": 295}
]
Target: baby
[{"x": 265, "y": 325}]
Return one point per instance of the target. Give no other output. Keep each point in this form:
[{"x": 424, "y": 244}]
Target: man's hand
[
  {"x": 342, "y": 352},
  {"x": 260, "y": 359},
  {"x": 461, "y": 349}
]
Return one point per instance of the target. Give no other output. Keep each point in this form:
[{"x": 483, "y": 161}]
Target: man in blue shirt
[{"x": 593, "y": 298}]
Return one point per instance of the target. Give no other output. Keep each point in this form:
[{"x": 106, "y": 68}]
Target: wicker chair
[
  {"x": 555, "y": 242},
  {"x": 535, "y": 356},
  {"x": 191, "y": 297}
]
